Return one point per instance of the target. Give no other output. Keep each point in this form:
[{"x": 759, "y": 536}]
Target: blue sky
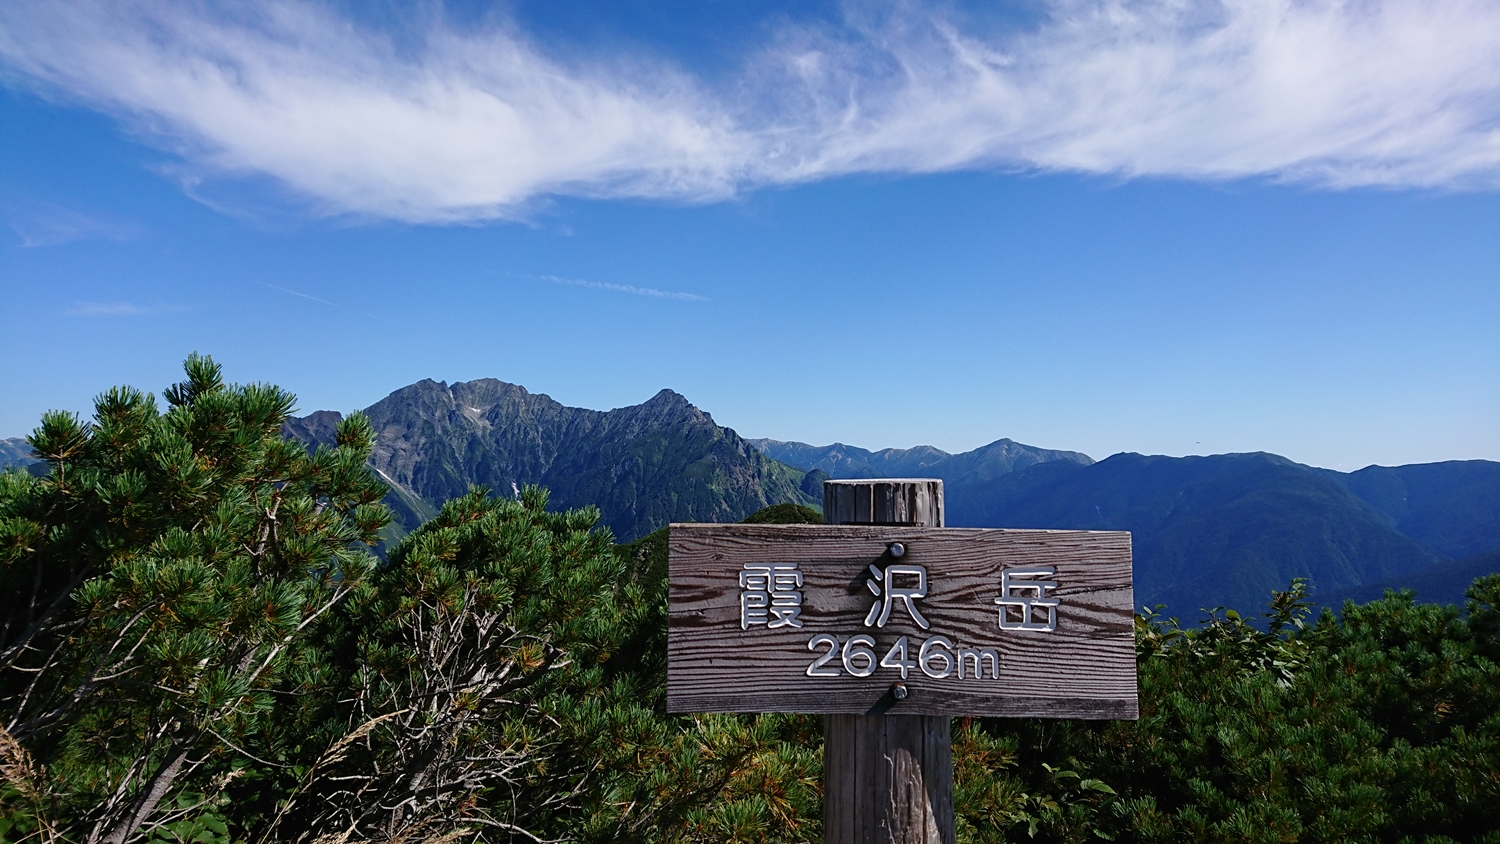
[{"x": 1180, "y": 228}]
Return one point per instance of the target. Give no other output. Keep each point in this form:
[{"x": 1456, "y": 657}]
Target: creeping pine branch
[
  {"x": 155, "y": 790},
  {"x": 167, "y": 818},
  {"x": 97, "y": 676},
  {"x": 127, "y": 779},
  {"x": 179, "y": 760},
  {"x": 40, "y": 674},
  {"x": 39, "y": 625},
  {"x": 266, "y": 530},
  {"x": 243, "y": 752},
  {"x": 332, "y": 756}
]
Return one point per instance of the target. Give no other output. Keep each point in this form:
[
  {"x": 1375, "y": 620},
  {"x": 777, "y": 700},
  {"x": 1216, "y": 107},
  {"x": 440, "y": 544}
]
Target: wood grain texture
[
  {"x": 1083, "y": 669},
  {"x": 892, "y": 778},
  {"x": 916, "y": 502}
]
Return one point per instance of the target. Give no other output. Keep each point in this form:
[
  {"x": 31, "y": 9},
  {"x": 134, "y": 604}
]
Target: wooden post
[{"x": 887, "y": 779}]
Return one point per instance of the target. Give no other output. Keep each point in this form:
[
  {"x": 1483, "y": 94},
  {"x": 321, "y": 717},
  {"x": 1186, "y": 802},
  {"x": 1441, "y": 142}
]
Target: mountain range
[
  {"x": 643, "y": 466},
  {"x": 1219, "y": 530},
  {"x": 15, "y": 451},
  {"x": 985, "y": 463},
  {"x": 1207, "y": 531}
]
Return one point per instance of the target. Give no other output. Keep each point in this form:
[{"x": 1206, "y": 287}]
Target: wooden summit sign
[
  {"x": 889, "y": 623},
  {"x": 872, "y": 619}
]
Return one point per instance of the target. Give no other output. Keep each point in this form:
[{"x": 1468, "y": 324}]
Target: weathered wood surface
[
  {"x": 888, "y": 779},
  {"x": 1083, "y": 669},
  {"x": 915, "y": 502}
]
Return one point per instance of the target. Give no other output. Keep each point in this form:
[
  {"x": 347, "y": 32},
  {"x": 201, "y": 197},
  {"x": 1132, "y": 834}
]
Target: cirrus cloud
[
  {"x": 119, "y": 309},
  {"x": 473, "y": 124}
]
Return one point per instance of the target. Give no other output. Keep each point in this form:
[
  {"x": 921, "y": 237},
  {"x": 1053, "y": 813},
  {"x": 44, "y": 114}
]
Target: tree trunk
[{"x": 182, "y": 747}]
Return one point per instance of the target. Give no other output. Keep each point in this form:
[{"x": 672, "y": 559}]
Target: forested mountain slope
[
  {"x": 1443, "y": 583},
  {"x": 1208, "y": 531},
  {"x": 1452, "y": 507},
  {"x": 643, "y": 466},
  {"x": 923, "y": 461},
  {"x": 1224, "y": 529},
  {"x": 1218, "y": 530},
  {"x": 15, "y": 451}
]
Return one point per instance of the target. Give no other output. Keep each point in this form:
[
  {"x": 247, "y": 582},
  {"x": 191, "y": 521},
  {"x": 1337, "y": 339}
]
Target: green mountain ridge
[
  {"x": 15, "y": 451},
  {"x": 1222, "y": 530},
  {"x": 1452, "y": 507},
  {"x": 1207, "y": 531},
  {"x": 1218, "y": 530},
  {"x": 643, "y": 466},
  {"x": 988, "y": 462}
]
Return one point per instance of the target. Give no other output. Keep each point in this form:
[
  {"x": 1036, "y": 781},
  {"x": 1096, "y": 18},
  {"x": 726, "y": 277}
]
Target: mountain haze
[
  {"x": 1208, "y": 531},
  {"x": 15, "y": 451},
  {"x": 644, "y": 466},
  {"x": 1452, "y": 507},
  {"x": 984, "y": 463}
]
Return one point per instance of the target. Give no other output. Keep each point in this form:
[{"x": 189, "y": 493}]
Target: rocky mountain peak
[{"x": 643, "y": 465}]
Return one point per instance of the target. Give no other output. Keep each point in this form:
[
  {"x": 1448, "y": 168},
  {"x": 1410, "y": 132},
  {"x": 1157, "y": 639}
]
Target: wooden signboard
[{"x": 900, "y": 621}]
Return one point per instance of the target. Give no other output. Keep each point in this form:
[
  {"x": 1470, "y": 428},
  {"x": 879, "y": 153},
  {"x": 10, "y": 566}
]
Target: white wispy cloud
[
  {"x": 624, "y": 288},
  {"x": 466, "y": 124},
  {"x": 90, "y": 309},
  {"x": 1330, "y": 92},
  {"x": 320, "y": 300},
  {"x": 298, "y": 293},
  {"x": 38, "y": 222}
]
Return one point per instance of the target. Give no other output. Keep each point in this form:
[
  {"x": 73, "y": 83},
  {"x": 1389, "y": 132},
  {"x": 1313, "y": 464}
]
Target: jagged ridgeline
[
  {"x": 643, "y": 466},
  {"x": 1222, "y": 530}
]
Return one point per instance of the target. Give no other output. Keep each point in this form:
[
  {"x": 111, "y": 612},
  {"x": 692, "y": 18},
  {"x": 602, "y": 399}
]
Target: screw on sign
[{"x": 890, "y": 625}]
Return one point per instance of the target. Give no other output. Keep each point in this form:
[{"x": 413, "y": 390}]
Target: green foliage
[
  {"x": 1380, "y": 725},
  {"x": 197, "y": 646},
  {"x": 160, "y": 585},
  {"x": 785, "y": 514},
  {"x": 812, "y": 483},
  {"x": 681, "y": 778},
  {"x": 472, "y": 658}
]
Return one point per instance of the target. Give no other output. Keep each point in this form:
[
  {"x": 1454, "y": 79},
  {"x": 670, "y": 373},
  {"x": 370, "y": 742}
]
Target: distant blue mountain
[
  {"x": 1443, "y": 583},
  {"x": 1210, "y": 531},
  {"x": 15, "y": 451},
  {"x": 1000, "y": 457},
  {"x": 1451, "y": 507}
]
